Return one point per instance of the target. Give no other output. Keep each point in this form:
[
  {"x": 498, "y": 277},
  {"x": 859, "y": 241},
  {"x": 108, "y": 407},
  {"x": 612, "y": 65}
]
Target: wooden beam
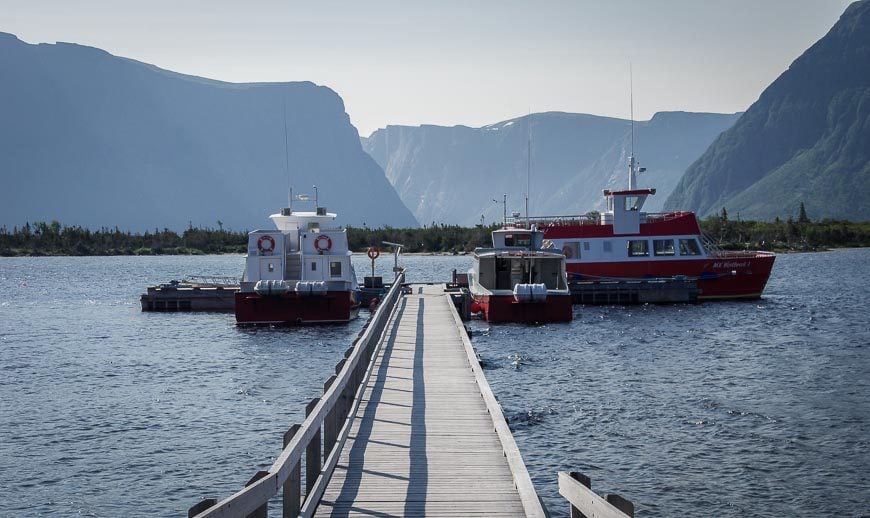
[{"x": 586, "y": 502}]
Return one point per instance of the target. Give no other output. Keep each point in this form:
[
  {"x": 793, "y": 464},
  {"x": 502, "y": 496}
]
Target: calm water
[{"x": 725, "y": 409}]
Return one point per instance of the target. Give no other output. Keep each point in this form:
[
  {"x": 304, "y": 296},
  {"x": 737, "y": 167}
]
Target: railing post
[
  {"x": 330, "y": 423},
  {"x": 312, "y": 452},
  {"x": 263, "y": 510},
  {"x": 621, "y": 503},
  {"x": 341, "y": 404},
  {"x": 201, "y": 506},
  {"x": 293, "y": 485}
]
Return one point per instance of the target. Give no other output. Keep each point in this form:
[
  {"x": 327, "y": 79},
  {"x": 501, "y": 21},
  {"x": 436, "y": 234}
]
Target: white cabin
[{"x": 302, "y": 248}]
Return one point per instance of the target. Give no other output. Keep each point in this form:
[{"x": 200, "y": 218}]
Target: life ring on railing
[
  {"x": 373, "y": 252},
  {"x": 266, "y": 244},
  {"x": 323, "y": 243}
]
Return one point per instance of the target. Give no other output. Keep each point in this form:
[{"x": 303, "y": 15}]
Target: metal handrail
[{"x": 324, "y": 414}]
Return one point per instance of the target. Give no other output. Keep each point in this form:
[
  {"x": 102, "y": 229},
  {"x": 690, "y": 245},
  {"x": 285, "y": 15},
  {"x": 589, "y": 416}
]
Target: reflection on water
[{"x": 722, "y": 409}]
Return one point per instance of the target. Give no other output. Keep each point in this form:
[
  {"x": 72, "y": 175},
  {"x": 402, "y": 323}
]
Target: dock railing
[
  {"x": 320, "y": 437},
  {"x": 577, "y": 489}
]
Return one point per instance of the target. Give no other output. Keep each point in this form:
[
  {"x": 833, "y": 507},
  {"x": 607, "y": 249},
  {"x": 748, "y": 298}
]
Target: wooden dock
[
  {"x": 422, "y": 441},
  {"x": 407, "y": 427}
]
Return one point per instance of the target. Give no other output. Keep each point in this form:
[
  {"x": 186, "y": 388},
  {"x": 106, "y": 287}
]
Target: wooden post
[
  {"x": 341, "y": 404},
  {"x": 312, "y": 452},
  {"x": 293, "y": 485},
  {"x": 621, "y": 503},
  {"x": 330, "y": 423},
  {"x": 200, "y": 507},
  {"x": 263, "y": 510}
]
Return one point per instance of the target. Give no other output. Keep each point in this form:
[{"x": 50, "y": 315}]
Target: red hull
[
  {"x": 504, "y": 308},
  {"x": 291, "y": 308},
  {"x": 732, "y": 276}
]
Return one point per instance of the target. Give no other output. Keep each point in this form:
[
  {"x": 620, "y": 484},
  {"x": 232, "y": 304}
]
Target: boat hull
[
  {"x": 504, "y": 308},
  {"x": 293, "y": 309},
  {"x": 727, "y": 276}
]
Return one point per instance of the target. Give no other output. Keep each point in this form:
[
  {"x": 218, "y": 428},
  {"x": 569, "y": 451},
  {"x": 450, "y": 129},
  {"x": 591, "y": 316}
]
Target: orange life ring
[
  {"x": 323, "y": 243},
  {"x": 567, "y": 251},
  {"x": 266, "y": 238},
  {"x": 373, "y": 252}
]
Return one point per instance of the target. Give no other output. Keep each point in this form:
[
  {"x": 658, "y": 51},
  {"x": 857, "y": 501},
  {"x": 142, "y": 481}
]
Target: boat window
[
  {"x": 571, "y": 250},
  {"x": 314, "y": 266},
  {"x": 638, "y": 247},
  {"x": 335, "y": 268},
  {"x": 663, "y": 246},
  {"x": 271, "y": 267},
  {"x": 689, "y": 247},
  {"x": 517, "y": 240},
  {"x": 608, "y": 246},
  {"x": 586, "y": 245}
]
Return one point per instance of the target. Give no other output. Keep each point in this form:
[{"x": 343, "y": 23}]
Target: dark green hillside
[{"x": 806, "y": 139}]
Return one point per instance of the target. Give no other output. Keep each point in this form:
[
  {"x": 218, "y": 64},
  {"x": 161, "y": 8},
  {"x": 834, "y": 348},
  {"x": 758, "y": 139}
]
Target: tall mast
[
  {"x": 528, "y": 165},
  {"x": 632, "y": 178},
  {"x": 287, "y": 154}
]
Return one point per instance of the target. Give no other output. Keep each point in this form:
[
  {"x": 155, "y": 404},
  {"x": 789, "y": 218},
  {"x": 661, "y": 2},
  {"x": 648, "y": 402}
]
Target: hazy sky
[{"x": 458, "y": 62}]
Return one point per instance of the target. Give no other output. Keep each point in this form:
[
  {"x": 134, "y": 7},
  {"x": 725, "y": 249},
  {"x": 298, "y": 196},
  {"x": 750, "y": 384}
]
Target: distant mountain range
[
  {"x": 456, "y": 174},
  {"x": 92, "y": 139},
  {"x": 806, "y": 139}
]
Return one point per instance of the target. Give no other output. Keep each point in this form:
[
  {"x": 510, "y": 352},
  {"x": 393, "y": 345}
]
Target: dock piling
[{"x": 292, "y": 500}]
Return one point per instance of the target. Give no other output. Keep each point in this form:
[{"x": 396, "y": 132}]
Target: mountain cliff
[
  {"x": 806, "y": 139},
  {"x": 96, "y": 140},
  {"x": 453, "y": 174}
]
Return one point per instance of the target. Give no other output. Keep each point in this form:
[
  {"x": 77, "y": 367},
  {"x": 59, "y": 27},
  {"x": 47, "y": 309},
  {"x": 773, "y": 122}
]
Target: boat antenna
[
  {"x": 631, "y": 174},
  {"x": 287, "y": 154}
]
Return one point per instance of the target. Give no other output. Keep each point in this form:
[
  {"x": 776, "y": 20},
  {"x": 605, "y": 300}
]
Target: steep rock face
[
  {"x": 92, "y": 139},
  {"x": 806, "y": 139},
  {"x": 453, "y": 174}
]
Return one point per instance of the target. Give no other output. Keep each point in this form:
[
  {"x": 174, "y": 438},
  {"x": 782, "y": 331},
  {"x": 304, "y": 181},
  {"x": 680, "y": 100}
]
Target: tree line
[{"x": 52, "y": 238}]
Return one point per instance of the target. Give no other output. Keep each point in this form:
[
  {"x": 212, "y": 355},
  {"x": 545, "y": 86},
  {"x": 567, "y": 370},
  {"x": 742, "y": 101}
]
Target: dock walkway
[{"x": 422, "y": 441}]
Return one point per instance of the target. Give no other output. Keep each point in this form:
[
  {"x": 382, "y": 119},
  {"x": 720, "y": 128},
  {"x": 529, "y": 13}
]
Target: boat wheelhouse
[
  {"x": 299, "y": 273},
  {"x": 518, "y": 281}
]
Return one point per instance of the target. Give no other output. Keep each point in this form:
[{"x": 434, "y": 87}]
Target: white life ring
[
  {"x": 263, "y": 247},
  {"x": 323, "y": 243}
]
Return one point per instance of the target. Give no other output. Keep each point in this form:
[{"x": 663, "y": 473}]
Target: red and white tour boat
[
  {"x": 625, "y": 243},
  {"x": 300, "y": 273},
  {"x": 517, "y": 281}
]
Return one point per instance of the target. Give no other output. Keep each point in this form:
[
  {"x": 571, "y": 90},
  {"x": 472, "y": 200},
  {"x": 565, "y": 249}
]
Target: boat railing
[
  {"x": 710, "y": 245},
  {"x": 655, "y": 217},
  {"x": 737, "y": 254},
  {"x": 211, "y": 280},
  {"x": 568, "y": 220},
  {"x": 327, "y": 424}
]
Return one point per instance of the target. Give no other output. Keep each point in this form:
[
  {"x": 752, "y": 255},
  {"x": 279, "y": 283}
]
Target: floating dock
[
  {"x": 191, "y": 295},
  {"x": 634, "y": 291}
]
